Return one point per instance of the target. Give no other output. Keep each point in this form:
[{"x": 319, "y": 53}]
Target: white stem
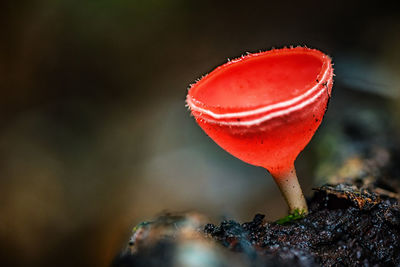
[{"x": 291, "y": 190}]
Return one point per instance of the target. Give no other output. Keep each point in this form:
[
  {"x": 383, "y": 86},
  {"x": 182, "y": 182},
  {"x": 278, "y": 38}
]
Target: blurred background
[{"x": 95, "y": 136}]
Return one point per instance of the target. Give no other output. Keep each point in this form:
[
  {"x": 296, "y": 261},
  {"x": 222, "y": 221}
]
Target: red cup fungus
[{"x": 264, "y": 108}]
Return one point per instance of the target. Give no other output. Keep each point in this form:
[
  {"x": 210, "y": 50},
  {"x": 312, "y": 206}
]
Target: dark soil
[{"x": 346, "y": 226}]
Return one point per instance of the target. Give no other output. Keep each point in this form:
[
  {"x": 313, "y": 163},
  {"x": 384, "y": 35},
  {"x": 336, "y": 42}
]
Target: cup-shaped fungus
[{"x": 264, "y": 108}]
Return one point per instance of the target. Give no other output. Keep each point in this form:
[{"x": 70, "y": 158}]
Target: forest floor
[{"x": 354, "y": 222}]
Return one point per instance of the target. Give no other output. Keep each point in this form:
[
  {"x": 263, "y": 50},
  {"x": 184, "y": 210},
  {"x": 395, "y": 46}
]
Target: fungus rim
[{"x": 268, "y": 111}]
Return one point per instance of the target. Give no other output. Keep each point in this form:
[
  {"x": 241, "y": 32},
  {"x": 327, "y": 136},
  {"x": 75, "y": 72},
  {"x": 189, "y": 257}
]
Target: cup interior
[{"x": 260, "y": 79}]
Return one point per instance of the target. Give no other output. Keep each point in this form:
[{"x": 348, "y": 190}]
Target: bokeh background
[{"x": 95, "y": 136}]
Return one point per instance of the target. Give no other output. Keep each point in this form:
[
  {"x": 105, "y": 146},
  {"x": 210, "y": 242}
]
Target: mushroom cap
[{"x": 264, "y": 108}]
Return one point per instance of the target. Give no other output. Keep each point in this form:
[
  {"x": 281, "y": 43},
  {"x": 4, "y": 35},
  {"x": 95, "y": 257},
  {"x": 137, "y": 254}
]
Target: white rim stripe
[
  {"x": 258, "y": 110},
  {"x": 271, "y": 115}
]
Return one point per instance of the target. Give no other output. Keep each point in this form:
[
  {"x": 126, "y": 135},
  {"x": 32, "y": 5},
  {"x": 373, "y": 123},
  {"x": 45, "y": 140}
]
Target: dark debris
[{"x": 346, "y": 226}]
